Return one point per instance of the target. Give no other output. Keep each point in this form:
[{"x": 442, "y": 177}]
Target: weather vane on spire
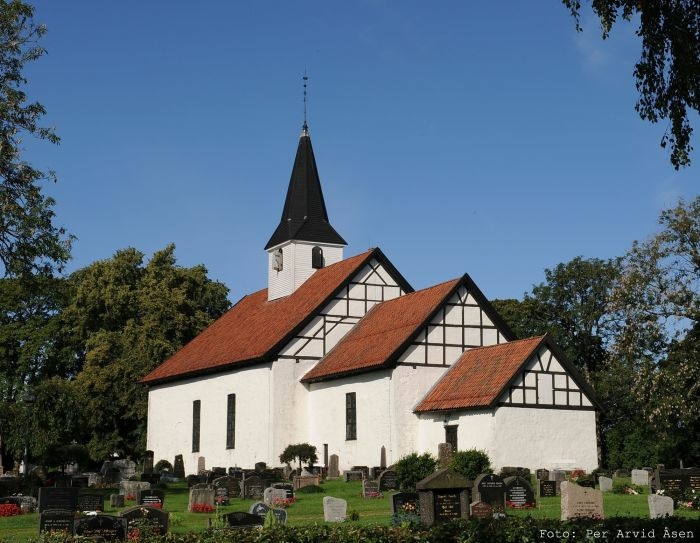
[{"x": 305, "y": 78}]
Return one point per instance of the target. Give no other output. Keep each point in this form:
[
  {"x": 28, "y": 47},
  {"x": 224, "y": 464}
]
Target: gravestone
[
  {"x": 519, "y": 494},
  {"x": 253, "y": 488},
  {"x": 126, "y": 467},
  {"x": 490, "y": 488},
  {"x": 558, "y": 476},
  {"x": 374, "y": 472},
  {"x": 91, "y": 502},
  {"x": 155, "y": 518},
  {"x": 288, "y": 488},
  {"x": 65, "y": 499},
  {"x": 542, "y": 474},
  {"x": 275, "y": 495},
  {"x": 231, "y": 483},
  {"x": 443, "y": 496},
  {"x": 675, "y": 482},
  {"x": 267, "y": 495},
  {"x": 334, "y": 509},
  {"x": 588, "y": 483},
  {"x": 333, "y": 472},
  {"x": 301, "y": 482},
  {"x": 80, "y": 481},
  {"x": 201, "y": 465},
  {"x": 546, "y": 489},
  {"x": 605, "y": 484},
  {"x": 56, "y": 520},
  {"x": 130, "y": 489},
  {"x": 116, "y": 501},
  {"x": 660, "y": 506},
  {"x": 480, "y": 510},
  {"x": 388, "y": 480},
  {"x": 240, "y": 519},
  {"x": 640, "y": 477},
  {"x": 260, "y": 467},
  {"x": 106, "y": 527},
  {"x": 580, "y": 502},
  {"x": 382, "y": 457},
  {"x": 259, "y": 508},
  {"x": 179, "y": 467},
  {"x": 370, "y": 489},
  {"x": 201, "y": 496},
  {"x": 363, "y": 469},
  {"x": 150, "y": 498},
  {"x": 444, "y": 454},
  {"x": 352, "y": 475},
  {"x": 148, "y": 458},
  {"x": 280, "y": 515},
  {"x": 404, "y": 502},
  {"x": 621, "y": 473},
  {"x": 94, "y": 479},
  {"x": 221, "y": 495}
]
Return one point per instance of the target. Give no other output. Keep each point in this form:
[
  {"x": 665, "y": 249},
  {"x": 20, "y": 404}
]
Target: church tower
[{"x": 304, "y": 240}]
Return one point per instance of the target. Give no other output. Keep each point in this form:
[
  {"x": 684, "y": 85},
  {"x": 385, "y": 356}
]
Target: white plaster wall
[
  {"x": 545, "y": 438},
  {"x": 170, "y": 419},
  {"x": 296, "y": 267},
  {"x": 326, "y": 418},
  {"x": 409, "y": 384},
  {"x": 475, "y": 430}
]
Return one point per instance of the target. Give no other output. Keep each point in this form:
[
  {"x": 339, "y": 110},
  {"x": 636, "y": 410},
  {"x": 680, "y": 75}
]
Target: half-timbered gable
[{"x": 378, "y": 281}]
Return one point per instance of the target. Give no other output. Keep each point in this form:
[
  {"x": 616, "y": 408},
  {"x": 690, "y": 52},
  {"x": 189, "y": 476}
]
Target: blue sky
[{"x": 479, "y": 137}]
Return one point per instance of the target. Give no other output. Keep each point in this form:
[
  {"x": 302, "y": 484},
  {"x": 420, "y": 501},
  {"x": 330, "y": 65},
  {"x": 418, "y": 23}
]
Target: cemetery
[{"x": 658, "y": 502}]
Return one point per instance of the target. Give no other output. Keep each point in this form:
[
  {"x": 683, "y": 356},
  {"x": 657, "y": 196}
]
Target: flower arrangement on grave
[
  {"x": 689, "y": 499},
  {"x": 10, "y": 510},
  {"x": 130, "y": 498},
  {"x": 407, "y": 516},
  {"x": 282, "y": 502},
  {"x": 143, "y": 527},
  {"x": 201, "y": 508},
  {"x": 519, "y": 505}
]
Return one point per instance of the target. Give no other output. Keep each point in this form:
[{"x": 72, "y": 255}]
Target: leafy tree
[
  {"x": 303, "y": 452},
  {"x": 470, "y": 463},
  {"x": 29, "y": 242},
  {"x": 668, "y": 73},
  {"x": 124, "y": 319},
  {"x": 413, "y": 468}
]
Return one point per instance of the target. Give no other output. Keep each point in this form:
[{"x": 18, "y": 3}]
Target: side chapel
[{"x": 344, "y": 354}]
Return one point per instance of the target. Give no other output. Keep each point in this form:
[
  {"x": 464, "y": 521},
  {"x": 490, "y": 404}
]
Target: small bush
[
  {"x": 163, "y": 465},
  {"x": 413, "y": 468},
  {"x": 471, "y": 463}
]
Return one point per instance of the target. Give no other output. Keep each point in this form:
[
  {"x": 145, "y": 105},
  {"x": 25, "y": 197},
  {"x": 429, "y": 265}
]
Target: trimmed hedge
[{"x": 512, "y": 529}]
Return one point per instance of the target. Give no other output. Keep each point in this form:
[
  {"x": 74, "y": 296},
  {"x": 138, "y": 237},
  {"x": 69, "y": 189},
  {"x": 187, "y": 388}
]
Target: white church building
[{"x": 343, "y": 354}]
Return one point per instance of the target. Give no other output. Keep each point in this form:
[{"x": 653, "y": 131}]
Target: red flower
[{"x": 10, "y": 510}]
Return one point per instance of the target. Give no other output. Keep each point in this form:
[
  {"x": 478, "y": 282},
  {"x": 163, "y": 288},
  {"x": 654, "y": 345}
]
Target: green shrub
[
  {"x": 413, "y": 468},
  {"x": 163, "y": 465},
  {"x": 471, "y": 463}
]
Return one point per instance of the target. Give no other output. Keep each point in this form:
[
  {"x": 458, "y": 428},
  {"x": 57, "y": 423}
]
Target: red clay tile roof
[
  {"x": 382, "y": 334},
  {"x": 255, "y": 329},
  {"x": 479, "y": 376}
]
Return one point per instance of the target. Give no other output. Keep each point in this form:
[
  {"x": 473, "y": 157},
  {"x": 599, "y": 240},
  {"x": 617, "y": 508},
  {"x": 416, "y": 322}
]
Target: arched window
[{"x": 317, "y": 258}]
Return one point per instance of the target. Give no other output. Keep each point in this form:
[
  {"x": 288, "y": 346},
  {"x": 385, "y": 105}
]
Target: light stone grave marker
[
  {"x": 640, "y": 477},
  {"x": 605, "y": 483},
  {"x": 334, "y": 509},
  {"x": 660, "y": 506},
  {"x": 580, "y": 502}
]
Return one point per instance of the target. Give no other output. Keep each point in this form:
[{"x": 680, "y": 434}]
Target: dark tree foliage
[
  {"x": 301, "y": 452},
  {"x": 667, "y": 75},
  {"x": 29, "y": 242}
]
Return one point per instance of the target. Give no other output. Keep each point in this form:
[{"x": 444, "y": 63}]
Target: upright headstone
[
  {"x": 404, "y": 502},
  {"x": 519, "y": 494},
  {"x": 240, "y": 519},
  {"x": 388, "y": 480},
  {"x": 363, "y": 469},
  {"x": 201, "y": 497},
  {"x": 480, "y": 510},
  {"x": 179, "y": 467},
  {"x": 333, "y": 471},
  {"x": 334, "y": 509},
  {"x": 444, "y": 454},
  {"x": 542, "y": 474},
  {"x": 230, "y": 483},
  {"x": 580, "y": 502},
  {"x": 352, "y": 475},
  {"x": 141, "y": 516},
  {"x": 288, "y": 489},
  {"x": 660, "y": 506},
  {"x": 490, "y": 488},
  {"x": 201, "y": 465},
  {"x": 605, "y": 484},
  {"x": 253, "y": 488},
  {"x": 116, "y": 501},
  {"x": 640, "y": 477},
  {"x": 546, "y": 489},
  {"x": 259, "y": 508},
  {"x": 443, "y": 496},
  {"x": 382, "y": 457},
  {"x": 558, "y": 476},
  {"x": 370, "y": 489},
  {"x": 56, "y": 520},
  {"x": 65, "y": 499},
  {"x": 106, "y": 527},
  {"x": 148, "y": 462},
  {"x": 151, "y": 498},
  {"x": 91, "y": 502}
]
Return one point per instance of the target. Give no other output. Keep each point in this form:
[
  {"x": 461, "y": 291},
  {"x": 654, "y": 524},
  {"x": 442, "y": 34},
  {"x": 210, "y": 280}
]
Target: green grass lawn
[{"x": 308, "y": 509}]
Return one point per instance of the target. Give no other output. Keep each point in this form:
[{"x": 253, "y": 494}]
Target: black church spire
[{"x": 304, "y": 217}]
